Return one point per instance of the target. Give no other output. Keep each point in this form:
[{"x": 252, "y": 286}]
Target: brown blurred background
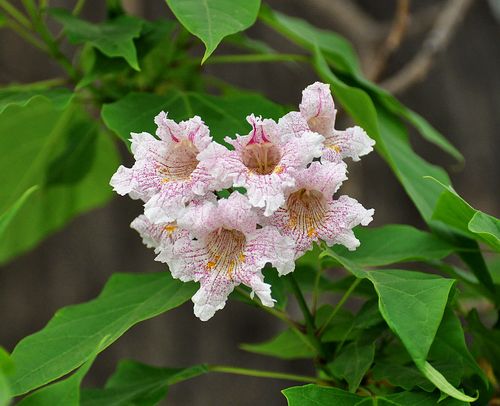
[{"x": 459, "y": 95}]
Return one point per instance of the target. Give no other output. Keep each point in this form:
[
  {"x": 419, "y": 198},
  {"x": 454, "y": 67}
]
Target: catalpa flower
[
  {"x": 310, "y": 213},
  {"x": 227, "y": 249},
  {"x": 161, "y": 237},
  {"x": 318, "y": 109},
  {"x": 263, "y": 162},
  {"x": 167, "y": 173}
]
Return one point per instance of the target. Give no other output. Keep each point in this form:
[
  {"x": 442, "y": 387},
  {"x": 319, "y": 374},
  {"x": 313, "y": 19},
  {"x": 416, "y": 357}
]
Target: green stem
[
  {"x": 310, "y": 326},
  {"x": 252, "y": 58},
  {"x": 315, "y": 294},
  {"x": 16, "y": 14},
  {"x": 302, "y": 304},
  {"x": 262, "y": 374},
  {"x": 338, "y": 306}
]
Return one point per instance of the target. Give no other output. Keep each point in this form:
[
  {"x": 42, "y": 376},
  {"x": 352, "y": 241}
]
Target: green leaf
[
  {"x": 455, "y": 212},
  {"x": 7, "y": 216},
  {"x": 40, "y": 140},
  {"x": 279, "y": 288},
  {"x": 395, "y": 243},
  {"x": 424, "y": 297},
  {"x": 6, "y": 368},
  {"x": 225, "y": 115},
  {"x": 486, "y": 341},
  {"x": 135, "y": 383},
  {"x": 404, "y": 376},
  {"x": 212, "y": 20},
  {"x": 309, "y": 36},
  {"x": 339, "y": 53},
  {"x": 449, "y": 347},
  {"x": 353, "y": 362},
  {"x": 313, "y": 395},
  {"x": 289, "y": 344},
  {"x": 114, "y": 38},
  {"x": 62, "y": 393},
  {"x": 70, "y": 337},
  {"x": 22, "y": 95}
]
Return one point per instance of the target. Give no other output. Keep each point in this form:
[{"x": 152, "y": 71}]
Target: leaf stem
[
  {"x": 15, "y": 14},
  {"x": 251, "y": 58},
  {"x": 338, "y": 306},
  {"x": 262, "y": 374}
]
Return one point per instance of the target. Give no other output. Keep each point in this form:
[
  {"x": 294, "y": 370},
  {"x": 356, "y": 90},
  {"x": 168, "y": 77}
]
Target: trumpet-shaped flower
[
  {"x": 318, "y": 109},
  {"x": 310, "y": 213},
  {"x": 264, "y": 161},
  {"x": 161, "y": 237},
  {"x": 226, "y": 249},
  {"x": 167, "y": 173}
]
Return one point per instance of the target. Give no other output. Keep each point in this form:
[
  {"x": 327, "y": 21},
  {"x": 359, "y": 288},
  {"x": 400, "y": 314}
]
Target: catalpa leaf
[
  {"x": 70, "y": 338},
  {"x": 455, "y": 212},
  {"x": 114, "y": 38},
  {"x": 225, "y": 115},
  {"x": 49, "y": 147},
  {"x": 212, "y": 20},
  {"x": 134, "y": 383},
  {"x": 395, "y": 243}
]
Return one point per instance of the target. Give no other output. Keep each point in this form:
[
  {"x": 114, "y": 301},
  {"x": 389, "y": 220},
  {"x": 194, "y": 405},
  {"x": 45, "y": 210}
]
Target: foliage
[{"x": 406, "y": 344}]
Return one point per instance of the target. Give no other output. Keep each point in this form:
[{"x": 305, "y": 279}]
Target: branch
[
  {"x": 393, "y": 40},
  {"x": 438, "y": 39}
]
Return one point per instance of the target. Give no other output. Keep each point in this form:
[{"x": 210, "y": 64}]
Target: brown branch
[
  {"x": 438, "y": 39},
  {"x": 393, "y": 39}
]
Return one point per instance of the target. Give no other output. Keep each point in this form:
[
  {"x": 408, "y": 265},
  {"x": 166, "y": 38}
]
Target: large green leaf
[
  {"x": 135, "y": 383},
  {"x": 313, "y": 395},
  {"x": 339, "y": 53},
  {"x": 22, "y": 95},
  {"x": 225, "y": 115},
  {"x": 455, "y": 212},
  {"x": 449, "y": 347},
  {"x": 9, "y": 215},
  {"x": 416, "y": 323},
  {"x": 212, "y": 20},
  {"x": 289, "y": 344},
  {"x": 74, "y": 332},
  {"x": 353, "y": 362},
  {"x": 60, "y": 150},
  {"x": 62, "y": 393},
  {"x": 114, "y": 38},
  {"x": 395, "y": 243},
  {"x": 6, "y": 368}
]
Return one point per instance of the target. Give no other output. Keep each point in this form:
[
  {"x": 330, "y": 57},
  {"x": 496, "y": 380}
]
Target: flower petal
[
  {"x": 351, "y": 143},
  {"x": 344, "y": 214},
  {"x": 318, "y": 108}
]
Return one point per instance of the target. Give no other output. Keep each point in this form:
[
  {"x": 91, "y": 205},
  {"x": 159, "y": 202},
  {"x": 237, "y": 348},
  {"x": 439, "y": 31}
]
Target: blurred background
[{"x": 446, "y": 67}]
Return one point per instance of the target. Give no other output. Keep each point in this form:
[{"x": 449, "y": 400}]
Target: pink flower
[
  {"x": 317, "y": 113},
  {"x": 167, "y": 173},
  {"x": 310, "y": 213},
  {"x": 161, "y": 237},
  {"x": 263, "y": 162},
  {"x": 227, "y": 249}
]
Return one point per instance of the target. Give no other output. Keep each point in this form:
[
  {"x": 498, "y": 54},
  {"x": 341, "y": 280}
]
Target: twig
[
  {"x": 393, "y": 39},
  {"x": 437, "y": 40},
  {"x": 264, "y": 374}
]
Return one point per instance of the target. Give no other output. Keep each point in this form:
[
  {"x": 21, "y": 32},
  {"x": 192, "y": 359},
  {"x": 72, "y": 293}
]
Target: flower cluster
[{"x": 289, "y": 171}]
